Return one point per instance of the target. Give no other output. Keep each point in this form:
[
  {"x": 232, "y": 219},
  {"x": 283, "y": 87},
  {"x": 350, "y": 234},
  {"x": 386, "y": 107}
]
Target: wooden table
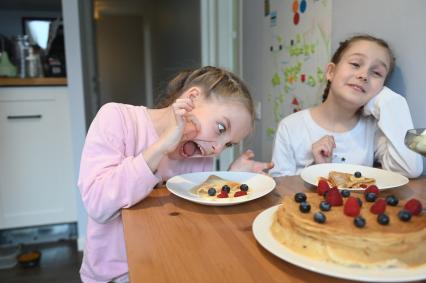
[{"x": 169, "y": 239}]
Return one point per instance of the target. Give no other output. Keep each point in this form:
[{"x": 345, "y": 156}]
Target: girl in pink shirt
[{"x": 130, "y": 149}]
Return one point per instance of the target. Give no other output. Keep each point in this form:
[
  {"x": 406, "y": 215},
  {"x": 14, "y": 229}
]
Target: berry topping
[
  {"x": 359, "y": 202},
  {"x": 404, "y": 215},
  {"x": 300, "y": 197},
  {"x": 392, "y": 200},
  {"x": 211, "y": 192},
  {"x": 345, "y": 193},
  {"x": 305, "y": 207},
  {"x": 319, "y": 217},
  {"x": 351, "y": 207},
  {"x": 322, "y": 187},
  {"x": 226, "y": 189},
  {"x": 378, "y": 207},
  {"x": 244, "y": 187},
  {"x": 357, "y": 174},
  {"x": 370, "y": 197},
  {"x": 334, "y": 197},
  {"x": 383, "y": 219},
  {"x": 240, "y": 193},
  {"x": 372, "y": 189},
  {"x": 325, "y": 206},
  {"x": 414, "y": 206},
  {"x": 359, "y": 221},
  {"x": 222, "y": 195}
]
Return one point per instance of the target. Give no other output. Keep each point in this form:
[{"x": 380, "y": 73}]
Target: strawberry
[
  {"x": 378, "y": 207},
  {"x": 351, "y": 207},
  {"x": 222, "y": 195},
  {"x": 240, "y": 193},
  {"x": 372, "y": 189},
  {"x": 414, "y": 206},
  {"x": 322, "y": 187},
  {"x": 334, "y": 197}
]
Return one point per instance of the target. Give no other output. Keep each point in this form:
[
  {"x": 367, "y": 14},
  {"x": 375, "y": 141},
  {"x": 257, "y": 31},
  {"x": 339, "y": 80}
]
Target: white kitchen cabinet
[{"x": 37, "y": 185}]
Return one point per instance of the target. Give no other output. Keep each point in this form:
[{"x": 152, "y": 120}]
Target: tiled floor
[{"x": 60, "y": 263}]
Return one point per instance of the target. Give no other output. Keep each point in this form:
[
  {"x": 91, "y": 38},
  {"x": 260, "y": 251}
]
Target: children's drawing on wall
[{"x": 298, "y": 50}]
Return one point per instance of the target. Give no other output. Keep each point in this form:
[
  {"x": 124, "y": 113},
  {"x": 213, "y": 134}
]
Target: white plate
[
  {"x": 262, "y": 233},
  {"x": 259, "y": 185},
  {"x": 384, "y": 179}
]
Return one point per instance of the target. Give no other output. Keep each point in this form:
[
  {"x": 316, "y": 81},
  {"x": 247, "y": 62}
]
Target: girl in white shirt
[{"x": 359, "y": 122}]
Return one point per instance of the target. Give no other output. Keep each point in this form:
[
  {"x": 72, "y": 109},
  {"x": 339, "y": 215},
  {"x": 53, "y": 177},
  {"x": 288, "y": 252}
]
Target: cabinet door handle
[{"x": 24, "y": 117}]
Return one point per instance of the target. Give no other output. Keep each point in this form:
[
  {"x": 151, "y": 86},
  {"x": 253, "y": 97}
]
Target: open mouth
[{"x": 191, "y": 148}]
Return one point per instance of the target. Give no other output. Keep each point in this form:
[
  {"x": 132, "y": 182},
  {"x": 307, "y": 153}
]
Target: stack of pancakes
[{"x": 398, "y": 244}]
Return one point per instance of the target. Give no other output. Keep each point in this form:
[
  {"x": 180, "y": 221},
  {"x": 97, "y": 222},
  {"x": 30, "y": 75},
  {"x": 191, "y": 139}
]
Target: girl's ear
[
  {"x": 330, "y": 71},
  {"x": 192, "y": 92}
]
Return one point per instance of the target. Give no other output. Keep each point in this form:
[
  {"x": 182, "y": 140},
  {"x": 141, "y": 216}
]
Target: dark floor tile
[{"x": 60, "y": 263}]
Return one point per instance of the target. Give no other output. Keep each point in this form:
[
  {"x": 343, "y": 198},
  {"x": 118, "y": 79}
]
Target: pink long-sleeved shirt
[{"x": 114, "y": 175}]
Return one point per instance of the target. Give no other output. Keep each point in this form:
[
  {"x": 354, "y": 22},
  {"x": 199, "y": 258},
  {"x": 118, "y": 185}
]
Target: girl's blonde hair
[
  {"x": 215, "y": 82},
  {"x": 344, "y": 45}
]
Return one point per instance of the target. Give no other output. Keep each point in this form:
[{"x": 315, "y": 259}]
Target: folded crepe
[
  {"x": 346, "y": 180},
  {"x": 216, "y": 182}
]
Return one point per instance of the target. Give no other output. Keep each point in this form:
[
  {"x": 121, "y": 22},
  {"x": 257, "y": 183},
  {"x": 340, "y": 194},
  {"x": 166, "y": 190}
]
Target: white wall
[
  {"x": 401, "y": 23},
  {"x": 252, "y": 58},
  {"x": 76, "y": 100}
]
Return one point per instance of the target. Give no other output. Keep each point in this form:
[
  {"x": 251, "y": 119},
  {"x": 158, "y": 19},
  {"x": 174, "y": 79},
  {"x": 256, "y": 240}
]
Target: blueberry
[
  {"x": 305, "y": 207},
  {"x": 325, "y": 206},
  {"x": 383, "y": 219},
  {"x": 371, "y": 197},
  {"x": 345, "y": 193},
  {"x": 244, "y": 187},
  {"x": 357, "y": 174},
  {"x": 404, "y": 215},
  {"x": 211, "y": 191},
  {"x": 359, "y": 202},
  {"x": 319, "y": 217},
  {"x": 359, "y": 221},
  {"x": 392, "y": 200},
  {"x": 226, "y": 189},
  {"x": 300, "y": 197}
]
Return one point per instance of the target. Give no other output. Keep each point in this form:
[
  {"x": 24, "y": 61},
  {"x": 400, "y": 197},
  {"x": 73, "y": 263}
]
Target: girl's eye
[
  {"x": 228, "y": 144},
  {"x": 354, "y": 64},
  {"x": 378, "y": 74},
  {"x": 221, "y": 128}
]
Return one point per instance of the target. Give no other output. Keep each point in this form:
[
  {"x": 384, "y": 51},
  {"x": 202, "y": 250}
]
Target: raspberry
[
  {"x": 322, "y": 187},
  {"x": 414, "y": 206},
  {"x": 351, "y": 207},
  {"x": 334, "y": 197},
  {"x": 372, "y": 189},
  {"x": 378, "y": 207},
  {"x": 240, "y": 193},
  {"x": 222, "y": 195}
]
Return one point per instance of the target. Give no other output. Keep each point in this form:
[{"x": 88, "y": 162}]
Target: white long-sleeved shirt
[{"x": 378, "y": 135}]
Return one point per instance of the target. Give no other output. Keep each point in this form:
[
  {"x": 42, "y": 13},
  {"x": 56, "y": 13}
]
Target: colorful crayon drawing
[{"x": 298, "y": 51}]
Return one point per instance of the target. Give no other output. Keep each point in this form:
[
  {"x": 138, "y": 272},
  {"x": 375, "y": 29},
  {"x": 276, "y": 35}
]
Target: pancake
[
  {"x": 217, "y": 183},
  {"x": 346, "y": 180},
  {"x": 398, "y": 244}
]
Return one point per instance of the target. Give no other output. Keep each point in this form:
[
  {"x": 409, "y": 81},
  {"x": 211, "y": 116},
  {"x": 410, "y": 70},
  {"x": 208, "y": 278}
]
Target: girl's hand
[
  {"x": 245, "y": 163},
  {"x": 322, "y": 150},
  {"x": 171, "y": 137}
]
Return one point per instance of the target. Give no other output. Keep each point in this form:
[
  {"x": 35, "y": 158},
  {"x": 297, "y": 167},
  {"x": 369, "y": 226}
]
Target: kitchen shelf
[{"x": 51, "y": 81}]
